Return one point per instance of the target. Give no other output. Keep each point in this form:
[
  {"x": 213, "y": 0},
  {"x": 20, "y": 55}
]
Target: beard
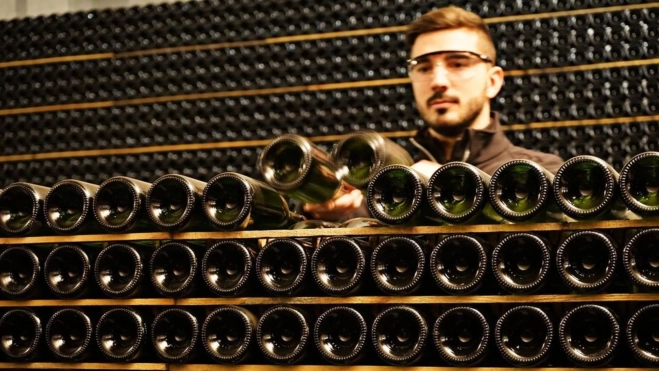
[{"x": 452, "y": 128}]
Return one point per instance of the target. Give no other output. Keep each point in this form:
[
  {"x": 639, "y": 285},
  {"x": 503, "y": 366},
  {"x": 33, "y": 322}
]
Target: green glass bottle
[
  {"x": 173, "y": 203},
  {"x": 586, "y": 188},
  {"x": 119, "y": 205},
  {"x": 639, "y": 184},
  {"x": 68, "y": 207},
  {"x": 295, "y": 166},
  {"x": 362, "y": 154},
  {"x": 233, "y": 201},
  {"x": 587, "y": 261},
  {"x": 457, "y": 194},
  {"x": 640, "y": 259},
  {"x": 521, "y": 191},
  {"x": 21, "y": 209}
]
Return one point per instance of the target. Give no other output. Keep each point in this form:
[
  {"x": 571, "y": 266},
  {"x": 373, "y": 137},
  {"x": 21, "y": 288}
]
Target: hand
[
  {"x": 426, "y": 168},
  {"x": 338, "y": 207}
]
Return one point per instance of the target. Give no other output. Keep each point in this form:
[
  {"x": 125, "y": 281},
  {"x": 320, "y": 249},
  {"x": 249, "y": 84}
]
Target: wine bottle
[
  {"x": 20, "y": 331},
  {"x": 340, "y": 334},
  {"x": 458, "y": 263},
  {"x": 362, "y": 154},
  {"x": 233, "y": 201},
  {"x": 361, "y": 223},
  {"x": 338, "y": 264},
  {"x": 282, "y": 266},
  {"x": 396, "y": 195},
  {"x": 457, "y": 193},
  {"x": 589, "y": 335},
  {"x": 520, "y": 191},
  {"x": 586, "y": 188},
  {"x": 121, "y": 334},
  {"x": 227, "y": 268},
  {"x": 587, "y": 261},
  {"x": 66, "y": 271},
  {"x": 524, "y": 336},
  {"x": 398, "y": 264},
  {"x": 19, "y": 273},
  {"x": 521, "y": 263},
  {"x": 173, "y": 203},
  {"x": 173, "y": 269},
  {"x": 399, "y": 335},
  {"x": 282, "y": 334},
  {"x": 643, "y": 335},
  {"x": 119, "y": 270},
  {"x": 119, "y": 205},
  {"x": 67, "y": 207},
  {"x": 21, "y": 209},
  {"x": 174, "y": 335},
  {"x": 461, "y": 335},
  {"x": 640, "y": 259},
  {"x": 227, "y": 334},
  {"x": 68, "y": 335},
  {"x": 639, "y": 184},
  {"x": 292, "y": 164}
]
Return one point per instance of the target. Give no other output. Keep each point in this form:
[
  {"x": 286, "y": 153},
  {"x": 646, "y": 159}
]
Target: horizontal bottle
[
  {"x": 173, "y": 269},
  {"x": 227, "y": 268},
  {"x": 282, "y": 266},
  {"x": 458, "y": 263},
  {"x": 174, "y": 203},
  {"x": 361, "y": 155},
  {"x": 295, "y": 166},
  {"x": 521, "y": 263},
  {"x": 640, "y": 259},
  {"x": 642, "y": 337},
  {"x": 119, "y": 205},
  {"x": 282, "y": 334},
  {"x": 121, "y": 334},
  {"x": 398, "y": 264},
  {"x": 399, "y": 335},
  {"x": 587, "y": 261},
  {"x": 461, "y": 336},
  {"x": 66, "y": 270},
  {"x": 639, "y": 184},
  {"x": 338, "y": 265},
  {"x": 589, "y": 335},
  {"x": 119, "y": 270},
  {"x": 21, "y": 333},
  {"x": 340, "y": 334},
  {"x": 69, "y": 335},
  {"x": 228, "y": 334},
  {"x": 524, "y": 336},
  {"x": 68, "y": 207},
  {"x": 21, "y": 209},
  {"x": 233, "y": 201},
  {"x": 174, "y": 335},
  {"x": 20, "y": 273}
]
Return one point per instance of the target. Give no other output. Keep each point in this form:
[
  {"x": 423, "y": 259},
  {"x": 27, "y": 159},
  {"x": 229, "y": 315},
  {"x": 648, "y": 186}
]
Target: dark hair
[{"x": 451, "y": 17}]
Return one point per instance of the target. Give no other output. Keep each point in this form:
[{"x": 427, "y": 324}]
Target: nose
[{"x": 439, "y": 78}]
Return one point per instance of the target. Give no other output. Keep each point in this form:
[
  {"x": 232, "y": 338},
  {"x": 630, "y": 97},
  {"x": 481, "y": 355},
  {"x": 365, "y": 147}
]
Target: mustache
[{"x": 438, "y": 96}]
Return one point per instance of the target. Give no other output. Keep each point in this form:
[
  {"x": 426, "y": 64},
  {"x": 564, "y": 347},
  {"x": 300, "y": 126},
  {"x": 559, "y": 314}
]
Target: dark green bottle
[
  {"x": 639, "y": 184},
  {"x": 586, "y": 188},
  {"x": 295, "y": 166},
  {"x": 524, "y": 336},
  {"x": 458, "y": 194},
  {"x": 21, "y": 209},
  {"x": 642, "y": 335},
  {"x": 640, "y": 259},
  {"x": 68, "y": 207},
  {"x": 174, "y": 201},
  {"x": 521, "y": 263},
  {"x": 119, "y": 206},
  {"x": 589, "y": 335},
  {"x": 521, "y": 191},
  {"x": 458, "y": 263},
  {"x": 233, "y": 201},
  {"x": 461, "y": 336},
  {"x": 362, "y": 154},
  {"x": 587, "y": 261}
]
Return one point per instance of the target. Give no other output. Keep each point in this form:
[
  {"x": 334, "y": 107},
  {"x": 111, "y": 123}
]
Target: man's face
[{"x": 451, "y": 97}]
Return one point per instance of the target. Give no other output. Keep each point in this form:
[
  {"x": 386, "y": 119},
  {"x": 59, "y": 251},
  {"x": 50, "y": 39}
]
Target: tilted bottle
[
  {"x": 121, "y": 334},
  {"x": 295, "y": 166},
  {"x": 20, "y": 271},
  {"x": 228, "y": 334},
  {"x": 642, "y": 335},
  {"x": 21, "y": 332},
  {"x": 586, "y": 187},
  {"x": 458, "y": 263},
  {"x": 524, "y": 336},
  {"x": 119, "y": 205},
  {"x": 67, "y": 269},
  {"x": 233, "y": 201},
  {"x": 282, "y": 334},
  {"x": 398, "y": 264},
  {"x": 589, "y": 335},
  {"x": 119, "y": 270},
  {"x": 399, "y": 335},
  {"x": 361, "y": 155},
  {"x": 68, "y": 207},
  {"x": 69, "y": 334},
  {"x": 457, "y": 193},
  {"x": 639, "y": 184},
  {"x": 173, "y": 269},
  {"x": 521, "y": 263},
  {"x": 227, "y": 267},
  {"x": 640, "y": 259},
  {"x": 461, "y": 336},
  {"x": 174, "y": 335},
  {"x": 174, "y": 203},
  {"x": 340, "y": 334},
  {"x": 21, "y": 209},
  {"x": 587, "y": 261}
]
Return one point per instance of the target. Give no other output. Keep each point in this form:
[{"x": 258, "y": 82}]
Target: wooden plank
[
  {"x": 200, "y": 367},
  {"x": 63, "y": 59},
  {"x": 81, "y": 238},
  {"x": 83, "y": 366},
  {"x": 86, "y": 302},
  {"x": 443, "y": 299}
]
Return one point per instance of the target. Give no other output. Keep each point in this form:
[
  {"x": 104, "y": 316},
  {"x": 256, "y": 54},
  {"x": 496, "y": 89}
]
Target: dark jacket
[{"x": 486, "y": 149}]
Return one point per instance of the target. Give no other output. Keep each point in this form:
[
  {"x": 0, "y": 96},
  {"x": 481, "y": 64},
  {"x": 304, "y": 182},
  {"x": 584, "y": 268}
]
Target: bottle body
[
  {"x": 458, "y": 263},
  {"x": 399, "y": 335},
  {"x": 587, "y": 261},
  {"x": 228, "y": 334},
  {"x": 283, "y": 333},
  {"x": 398, "y": 264},
  {"x": 589, "y": 335},
  {"x": 21, "y": 209},
  {"x": 68, "y": 207},
  {"x": 119, "y": 205},
  {"x": 173, "y": 203},
  {"x": 340, "y": 334},
  {"x": 521, "y": 263},
  {"x": 121, "y": 334}
]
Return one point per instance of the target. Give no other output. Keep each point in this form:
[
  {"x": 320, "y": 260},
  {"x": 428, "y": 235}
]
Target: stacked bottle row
[
  {"x": 588, "y": 335},
  {"x": 558, "y": 42},
  {"x": 190, "y": 23}
]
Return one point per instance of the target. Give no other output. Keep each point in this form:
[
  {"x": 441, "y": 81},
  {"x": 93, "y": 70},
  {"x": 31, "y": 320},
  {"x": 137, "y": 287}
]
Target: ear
[{"x": 495, "y": 81}]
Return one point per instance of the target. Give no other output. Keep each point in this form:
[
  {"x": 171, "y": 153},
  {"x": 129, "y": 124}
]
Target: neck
[{"x": 448, "y": 143}]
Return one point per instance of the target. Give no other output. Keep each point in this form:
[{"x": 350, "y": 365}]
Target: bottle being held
[
  {"x": 639, "y": 184},
  {"x": 461, "y": 336},
  {"x": 640, "y": 259},
  {"x": 457, "y": 193},
  {"x": 642, "y": 335},
  {"x": 173, "y": 203},
  {"x": 399, "y": 335},
  {"x": 282, "y": 334},
  {"x": 119, "y": 206},
  {"x": 121, "y": 334},
  {"x": 521, "y": 263},
  {"x": 20, "y": 270},
  {"x": 174, "y": 335},
  {"x": 398, "y": 264},
  {"x": 228, "y": 334},
  {"x": 21, "y": 332},
  {"x": 67, "y": 269},
  {"x": 68, "y": 207},
  {"x": 173, "y": 269},
  {"x": 340, "y": 335},
  {"x": 458, "y": 263},
  {"x": 361, "y": 155},
  {"x": 233, "y": 201},
  {"x": 521, "y": 191},
  {"x": 589, "y": 335},
  {"x": 227, "y": 267},
  {"x": 586, "y": 261},
  {"x": 524, "y": 336},
  {"x": 22, "y": 211},
  {"x": 119, "y": 270},
  {"x": 69, "y": 335}
]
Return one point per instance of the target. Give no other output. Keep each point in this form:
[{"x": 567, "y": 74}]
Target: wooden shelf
[
  {"x": 86, "y": 302},
  {"x": 82, "y": 238},
  {"x": 84, "y": 366},
  {"x": 448, "y": 299},
  {"x": 370, "y": 368}
]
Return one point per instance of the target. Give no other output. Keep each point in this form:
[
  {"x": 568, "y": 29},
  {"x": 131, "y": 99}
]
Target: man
[{"x": 453, "y": 74}]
